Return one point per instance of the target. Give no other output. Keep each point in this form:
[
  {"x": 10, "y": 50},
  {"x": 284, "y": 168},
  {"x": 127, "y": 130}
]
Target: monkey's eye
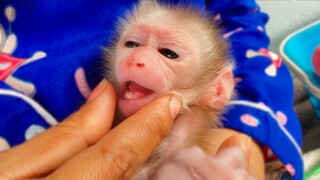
[
  {"x": 131, "y": 44},
  {"x": 168, "y": 53}
]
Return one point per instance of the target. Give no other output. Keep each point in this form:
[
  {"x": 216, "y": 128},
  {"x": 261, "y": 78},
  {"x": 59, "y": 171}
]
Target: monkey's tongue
[{"x": 135, "y": 91}]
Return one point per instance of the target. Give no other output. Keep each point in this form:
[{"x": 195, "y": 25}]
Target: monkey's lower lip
[{"x": 134, "y": 91}]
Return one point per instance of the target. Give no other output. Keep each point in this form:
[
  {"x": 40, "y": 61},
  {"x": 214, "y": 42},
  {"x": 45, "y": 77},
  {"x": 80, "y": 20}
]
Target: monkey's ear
[{"x": 220, "y": 90}]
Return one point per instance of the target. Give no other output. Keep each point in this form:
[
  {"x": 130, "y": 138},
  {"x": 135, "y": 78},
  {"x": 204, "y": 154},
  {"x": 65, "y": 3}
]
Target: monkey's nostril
[{"x": 140, "y": 65}]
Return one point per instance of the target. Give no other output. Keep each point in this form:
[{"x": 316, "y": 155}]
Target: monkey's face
[{"x": 151, "y": 60}]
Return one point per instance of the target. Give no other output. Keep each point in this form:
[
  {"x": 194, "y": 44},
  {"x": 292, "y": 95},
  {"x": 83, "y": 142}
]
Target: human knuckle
[
  {"x": 121, "y": 159},
  {"x": 72, "y": 127},
  {"x": 155, "y": 124},
  {"x": 74, "y": 121}
]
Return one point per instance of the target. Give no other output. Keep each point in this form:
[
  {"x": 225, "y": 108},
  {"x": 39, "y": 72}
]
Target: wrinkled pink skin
[
  {"x": 148, "y": 68},
  {"x": 316, "y": 61}
]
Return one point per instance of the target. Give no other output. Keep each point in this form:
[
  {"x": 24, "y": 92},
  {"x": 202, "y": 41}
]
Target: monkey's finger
[
  {"x": 48, "y": 150},
  {"x": 125, "y": 147}
]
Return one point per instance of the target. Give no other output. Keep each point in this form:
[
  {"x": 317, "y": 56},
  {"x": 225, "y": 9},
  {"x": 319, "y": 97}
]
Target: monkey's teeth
[
  {"x": 135, "y": 91},
  {"x": 132, "y": 95},
  {"x": 128, "y": 95}
]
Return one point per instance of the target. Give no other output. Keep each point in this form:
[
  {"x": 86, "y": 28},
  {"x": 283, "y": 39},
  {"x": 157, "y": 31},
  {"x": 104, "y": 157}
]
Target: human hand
[
  {"x": 84, "y": 147},
  {"x": 230, "y": 162}
]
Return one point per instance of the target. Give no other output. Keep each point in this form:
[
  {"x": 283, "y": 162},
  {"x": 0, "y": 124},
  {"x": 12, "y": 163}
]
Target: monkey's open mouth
[{"x": 132, "y": 91}]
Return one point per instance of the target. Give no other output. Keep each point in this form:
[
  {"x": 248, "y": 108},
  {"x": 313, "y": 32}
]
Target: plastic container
[{"x": 297, "y": 50}]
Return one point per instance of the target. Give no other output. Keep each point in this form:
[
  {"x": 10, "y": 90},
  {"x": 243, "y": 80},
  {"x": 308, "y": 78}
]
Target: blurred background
[{"x": 287, "y": 16}]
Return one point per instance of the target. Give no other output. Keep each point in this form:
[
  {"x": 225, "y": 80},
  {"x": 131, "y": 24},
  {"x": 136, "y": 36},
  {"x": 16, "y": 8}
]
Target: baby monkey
[{"x": 163, "y": 48}]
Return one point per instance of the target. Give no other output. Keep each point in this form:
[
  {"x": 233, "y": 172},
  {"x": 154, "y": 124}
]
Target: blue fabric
[{"x": 65, "y": 39}]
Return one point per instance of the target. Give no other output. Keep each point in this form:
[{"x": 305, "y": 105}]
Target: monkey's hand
[{"x": 231, "y": 162}]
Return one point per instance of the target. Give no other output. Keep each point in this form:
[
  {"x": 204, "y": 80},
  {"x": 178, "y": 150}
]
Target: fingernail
[
  {"x": 175, "y": 105},
  {"x": 97, "y": 90}
]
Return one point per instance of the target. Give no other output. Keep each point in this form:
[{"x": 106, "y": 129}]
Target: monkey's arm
[{"x": 263, "y": 108}]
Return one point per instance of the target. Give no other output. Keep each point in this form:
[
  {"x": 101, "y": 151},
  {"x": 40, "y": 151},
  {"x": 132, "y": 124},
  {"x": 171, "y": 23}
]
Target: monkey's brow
[
  {"x": 165, "y": 32},
  {"x": 174, "y": 37}
]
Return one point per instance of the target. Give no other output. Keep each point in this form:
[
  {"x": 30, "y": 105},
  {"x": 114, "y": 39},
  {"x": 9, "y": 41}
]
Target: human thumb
[
  {"x": 245, "y": 153},
  {"x": 237, "y": 142}
]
